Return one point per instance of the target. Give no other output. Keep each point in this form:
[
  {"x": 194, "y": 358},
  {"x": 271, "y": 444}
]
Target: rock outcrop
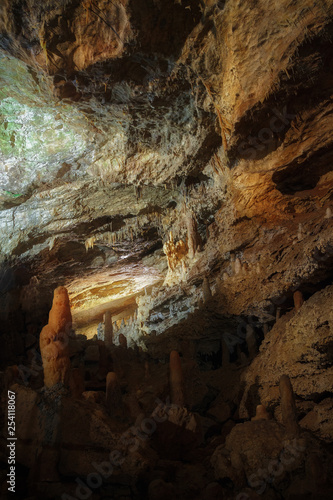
[{"x": 299, "y": 345}]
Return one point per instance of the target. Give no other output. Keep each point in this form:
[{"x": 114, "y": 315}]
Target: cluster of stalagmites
[{"x": 175, "y": 434}]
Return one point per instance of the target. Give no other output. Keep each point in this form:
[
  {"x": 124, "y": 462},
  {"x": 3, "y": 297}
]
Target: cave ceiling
[{"x": 117, "y": 118}]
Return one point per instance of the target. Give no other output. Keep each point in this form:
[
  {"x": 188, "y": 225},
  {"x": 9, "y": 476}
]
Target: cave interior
[{"x": 166, "y": 249}]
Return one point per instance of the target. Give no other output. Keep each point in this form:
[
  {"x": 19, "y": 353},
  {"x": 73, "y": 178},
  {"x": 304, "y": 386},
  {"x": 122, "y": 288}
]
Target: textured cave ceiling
[{"x": 118, "y": 118}]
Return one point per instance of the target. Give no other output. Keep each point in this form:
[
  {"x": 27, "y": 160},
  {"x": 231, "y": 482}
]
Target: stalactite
[
  {"x": 89, "y": 243},
  {"x": 174, "y": 252}
]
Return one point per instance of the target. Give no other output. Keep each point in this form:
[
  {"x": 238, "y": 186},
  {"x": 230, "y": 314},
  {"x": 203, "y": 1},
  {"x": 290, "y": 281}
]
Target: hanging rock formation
[
  {"x": 175, "y": 252},
  {"x": 193, "y": 237}
]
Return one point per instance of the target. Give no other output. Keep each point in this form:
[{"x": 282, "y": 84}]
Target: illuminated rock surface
[{"x": 170, "y": 164}]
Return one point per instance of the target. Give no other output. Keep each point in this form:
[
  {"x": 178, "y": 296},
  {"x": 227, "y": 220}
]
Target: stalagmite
[
  {"x": 288, "y": 406},
  {"x": 261, "y": 413},
  {"x": 251, "y": 342},
  {"x": 113, "y": 395},
  {"x": 108, "y": 328},
  {"x": 298, "y": 300},
  {"x": 176, "y": 380},
  {"x": 122, "y": 340},
  {"x": 60, "y": 317},
  {"x": 54, "y": 340}
]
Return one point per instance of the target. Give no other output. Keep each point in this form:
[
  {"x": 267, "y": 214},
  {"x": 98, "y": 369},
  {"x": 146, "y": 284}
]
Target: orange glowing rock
[
  {"x": 60, "y": 317},
  {"x": 55, "y": 356},
  {"x": 54, "y": 340}
]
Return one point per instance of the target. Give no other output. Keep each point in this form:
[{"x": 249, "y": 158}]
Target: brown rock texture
[{"x": 298, "y": 344}]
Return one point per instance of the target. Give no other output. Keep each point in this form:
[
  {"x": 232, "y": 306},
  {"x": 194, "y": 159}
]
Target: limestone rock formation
[
  {"x": 54, "y": 340},
  {"x": 170, "y": 162},
  {"x": 175, "y": 252},
  {"x": 60, "y": 317},
  {"x": 261, "y": 413},
  {"x": 297, "y": 345},
  {"x": 288, "y": 407}
]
